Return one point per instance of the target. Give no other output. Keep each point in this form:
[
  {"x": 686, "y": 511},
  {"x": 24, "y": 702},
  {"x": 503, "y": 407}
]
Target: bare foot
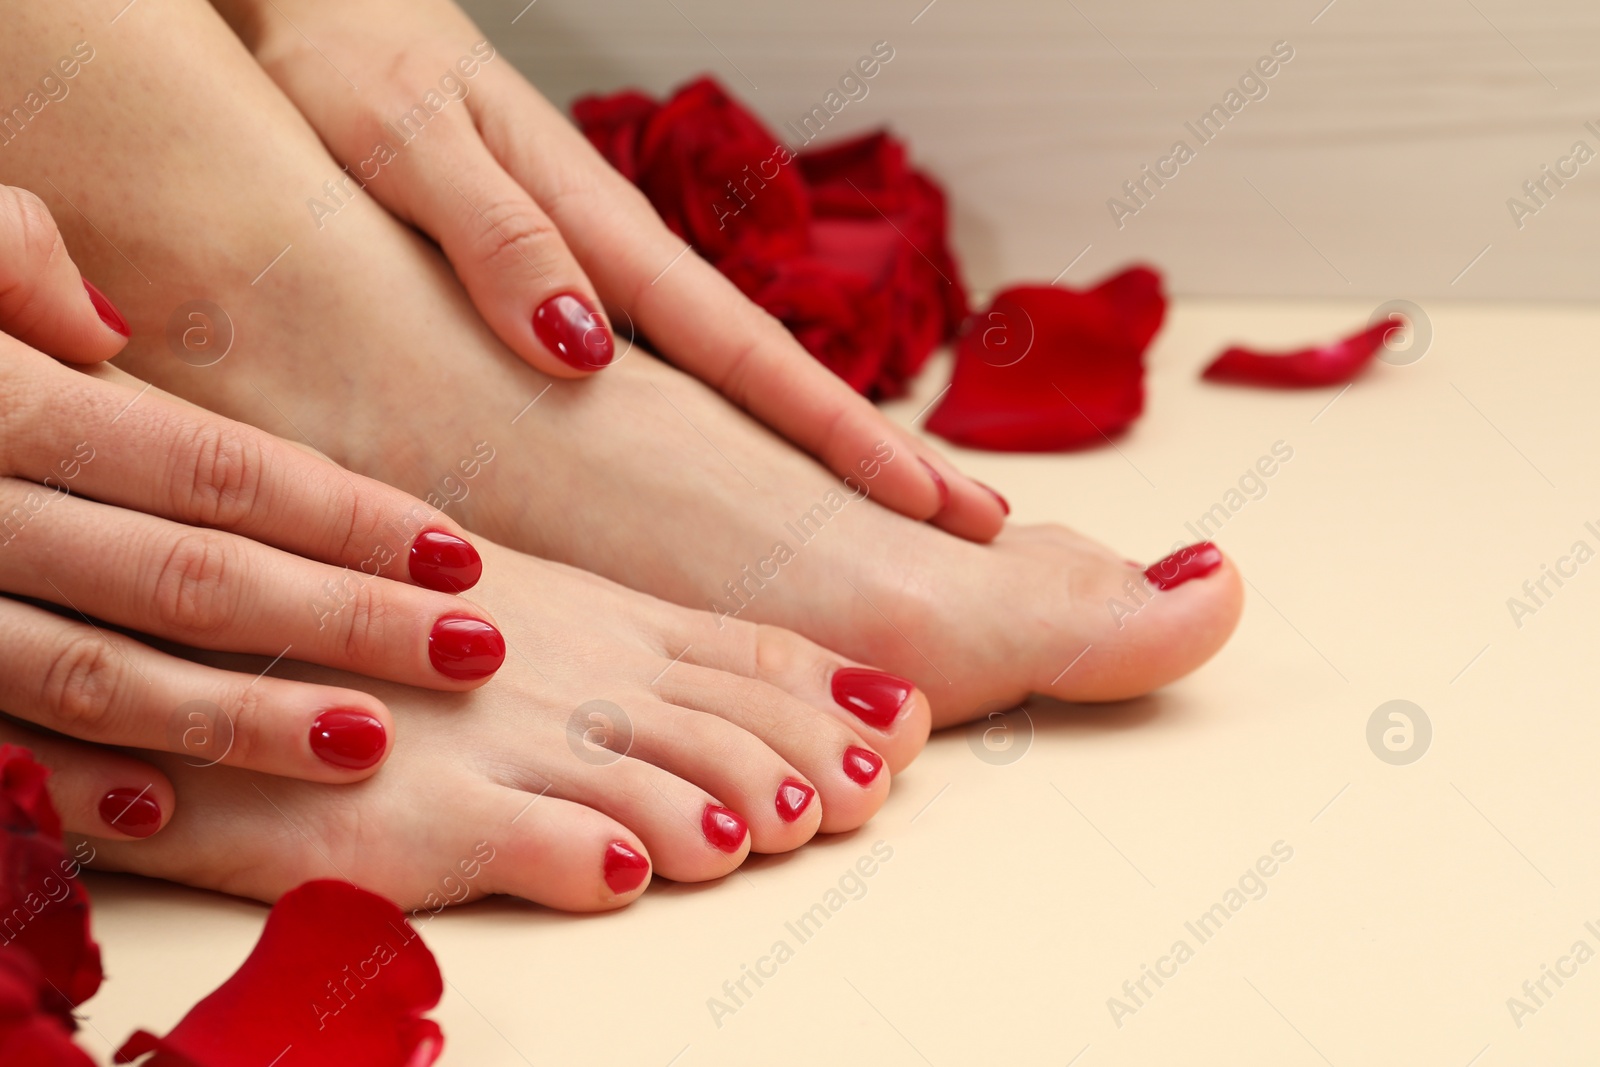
[{"x": 623, "y": 736}]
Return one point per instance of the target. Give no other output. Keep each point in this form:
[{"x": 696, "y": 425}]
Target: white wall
[{"x": 1379, "y": 164}]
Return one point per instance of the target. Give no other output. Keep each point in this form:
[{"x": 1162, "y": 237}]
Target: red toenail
[
  {"x": 625, "y": 869},
  {"x": 871, "y": 696},
  {"x": 444, "y": 562},
  {"x": 1004, "y": 506},
  {"x": 794, "y": 796},
  {"x": 348, "y": 738},
  {"x": 862, "y": 765},
  {"x": 570, "y": 328},
  {"x": 938, "y": 483},
  {"x": 131, "y": 811},
  {"x": 723, "y": 828},
  {"x": 1196, "y": 561},
  {"x": 465, "y": 649}
]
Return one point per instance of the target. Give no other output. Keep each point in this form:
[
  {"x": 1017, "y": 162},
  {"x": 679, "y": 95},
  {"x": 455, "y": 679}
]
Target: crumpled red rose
[
  {"x": 1047, "y": 368},
  {"x": 44, "y": 909},
  {"x": 30, "y": 1034},
  {"x": 847, "y": 245},
  {"x": 1330, "y": 364},
  {"x": 338, "y": 976}
]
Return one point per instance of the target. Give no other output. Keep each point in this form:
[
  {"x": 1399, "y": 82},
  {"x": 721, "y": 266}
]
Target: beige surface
[
  {"x": 1020, "y": 897},
  {"x": 1379, "y": 163}
]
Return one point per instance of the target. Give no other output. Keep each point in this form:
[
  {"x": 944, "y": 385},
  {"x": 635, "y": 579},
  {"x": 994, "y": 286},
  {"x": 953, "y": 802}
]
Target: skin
[{"x": 360, "y": 341}]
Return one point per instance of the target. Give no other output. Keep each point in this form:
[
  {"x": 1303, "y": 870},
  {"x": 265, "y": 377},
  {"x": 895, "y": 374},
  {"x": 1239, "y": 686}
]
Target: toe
[
  {"x": 547, "y": 850},
  {"x": 886, "y": 713},
  {"x": 829, "y": 756}
]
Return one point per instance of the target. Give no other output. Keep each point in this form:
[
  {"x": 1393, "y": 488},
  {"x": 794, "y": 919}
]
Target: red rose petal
[
  {"x": 44, "y": 909},
  {"x": 1047, "y": 368},
  {"x": 338, "y": 975},
  {"x": 30, "y": 1033},
  {"x": 614, "y": 124},
  {"x": 1310, "y": 367}
]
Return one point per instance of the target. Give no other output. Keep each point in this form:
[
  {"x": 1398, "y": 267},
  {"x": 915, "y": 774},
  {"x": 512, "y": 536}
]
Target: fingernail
[
  {"x": 107, "y": 310},
  {"x": 938, "y": 483},
  {"x": 444, "y": 562},
  {"x": 794, "y": 796},
  {"x": 570, "y": 328},
  {"x": 862, "y": 765},
  {"x": 998, "y": 499},
  {"x": 465, "y": 649},
  {"x": 1196, "y": 561},
  {"x": 723, "y": 828},
  {"x": 131, "y": 811},
  {"x": 871, "y": 696},
  {"x": 349, "y": 739},
  {"x": 624, "y": 868}
]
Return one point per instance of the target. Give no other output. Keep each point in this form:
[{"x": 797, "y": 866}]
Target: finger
[
  {"x": 44, "y": 301},
  {"x": 97, "y": 685},
  {"x": 71, "y": 432},
  {"x": 212, "y": 590},
  {"x": 96, "y": 791},
  {"x": 506, "y": 251},
  {"x": 703, "y": 323}
]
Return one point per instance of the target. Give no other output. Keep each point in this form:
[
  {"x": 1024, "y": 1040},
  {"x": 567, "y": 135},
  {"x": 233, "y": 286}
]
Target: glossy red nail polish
[
  {"x": 938, "y": 483},
  {"x": 723, "y": 828},
  {"x": 624, "y": 868},
  {"x": 1184, "y": 565},
  {"x": 862, "y": 765},
  {"x": 444, "y": 562},
  {"x": 107, "y": 310},
  {"x": 465, "y": 649},
  {"x": 871, "y": 696},
  {"x": 131, "y": 811},
  {"x": 570, "y": 328},
  {"x": 794, "y": 796},
  {"x": 348, "y": 738},
  {"x": 1005, "y": 505}
]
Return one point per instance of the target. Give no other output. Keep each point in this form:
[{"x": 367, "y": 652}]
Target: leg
[{"x": 359, "y": 341}]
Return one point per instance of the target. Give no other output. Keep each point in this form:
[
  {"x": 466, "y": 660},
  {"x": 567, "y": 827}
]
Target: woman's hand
[
  {"x": 123, "y": 509},
  {"x": 541, "y": 230}
]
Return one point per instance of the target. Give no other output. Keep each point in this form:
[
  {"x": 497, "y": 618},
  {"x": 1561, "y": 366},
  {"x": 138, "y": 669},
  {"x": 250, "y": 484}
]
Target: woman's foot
[
  {"x": 349, "y": 332},
  {"x": 623, "y": 736}
]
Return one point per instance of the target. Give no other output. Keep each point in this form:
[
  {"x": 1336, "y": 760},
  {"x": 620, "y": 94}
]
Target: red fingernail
[
  {"x": 348, "y": 738},
  {"x": 573, "y": 330},
  {"x": 465, "y": 649},
  {"x": 723, "y": 828},
  {"x": 871, "y": 696},
  {"x": 131, "y": 811},
  {"x": 1196, "y": 561},
  {"x": 938, "y": 483},
  {"x": 794, "y": 796},
  {"x": 444, "y": 562},
  {"x": 862, "y": 765},
  {"x": 625, "y": 869},
  {"x": 1004, "y": 505},
  {"x": 107, "y": 310}
]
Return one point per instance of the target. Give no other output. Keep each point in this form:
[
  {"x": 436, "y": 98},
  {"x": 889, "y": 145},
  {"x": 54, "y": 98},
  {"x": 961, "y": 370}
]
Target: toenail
[
  {"x": 573, "y": 330},
  {"x": 1196, "y": 561},
  {"x": 131, "y": 811},
  {"x": 871, "y": 696},
  {"x": 723, "y": 828},
  {"x": 348, "y": 738},
  {"x": 861, "y": 765},
  {"x": 938, "y": 483},
  {"x": 465, "y": 649},
  {"x": 624, "y": 868},
  {"x": 444, "y": 562},
  {"x": 998, "y": 499},
  {"x": 794, "y": 796}
]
